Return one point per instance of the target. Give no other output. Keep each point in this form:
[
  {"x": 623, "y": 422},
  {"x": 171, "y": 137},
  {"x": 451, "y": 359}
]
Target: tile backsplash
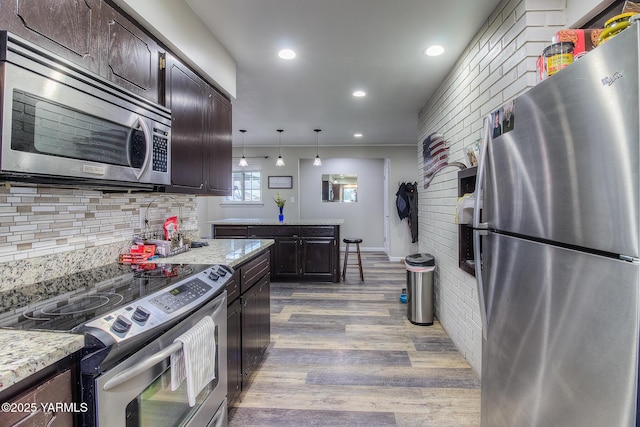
[{"x": 50, "y": 232}]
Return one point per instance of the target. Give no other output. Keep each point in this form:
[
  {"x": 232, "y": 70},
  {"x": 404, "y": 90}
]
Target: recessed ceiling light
[
  {"x": 287, "y": 54},
  {"x": 434, "y": 50},
  {"x": 357, "y": 135},
  {"x": 359, "y": 93}
]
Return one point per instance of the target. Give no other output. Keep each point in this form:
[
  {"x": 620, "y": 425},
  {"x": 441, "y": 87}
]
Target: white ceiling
[{"x": 341, "y": 46}]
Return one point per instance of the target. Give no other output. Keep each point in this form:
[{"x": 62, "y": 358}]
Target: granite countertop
[
  {"x": 23, "y": 353},
  {"x": 264, "y": 221},
  {"x": 229, "y": 252}
]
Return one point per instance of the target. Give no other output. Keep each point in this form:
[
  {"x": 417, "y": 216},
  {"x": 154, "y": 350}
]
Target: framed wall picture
[{"x": 280, "y": 182}]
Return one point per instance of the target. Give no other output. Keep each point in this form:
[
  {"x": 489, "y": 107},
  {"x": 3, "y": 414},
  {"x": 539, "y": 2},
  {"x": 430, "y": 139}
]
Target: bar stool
[{"x": 348, "y": 242}]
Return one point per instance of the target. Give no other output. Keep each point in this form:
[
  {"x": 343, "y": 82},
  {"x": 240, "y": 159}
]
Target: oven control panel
[
  {"x": 180, "y": 296},
  {"x": 164, "y": 305}
]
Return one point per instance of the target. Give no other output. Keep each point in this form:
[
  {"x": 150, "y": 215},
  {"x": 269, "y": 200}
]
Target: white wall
[
  {"x": 363, "y": 219},
  {"x": 402, "y": 162}
]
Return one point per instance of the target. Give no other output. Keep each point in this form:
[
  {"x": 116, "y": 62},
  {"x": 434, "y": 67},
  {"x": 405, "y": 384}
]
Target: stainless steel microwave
[{"x": 65, "y": 125}]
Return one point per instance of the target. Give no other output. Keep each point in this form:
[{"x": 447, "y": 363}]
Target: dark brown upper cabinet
[
  {"x": 132, "y": 58},
  {"x": 91, "y": 34},
  {"x": 217, "y": 144},
  {"x": 200, "y": 133},
  {"x": 67, "y": 28},
  {"x": 185, "y": 95}
]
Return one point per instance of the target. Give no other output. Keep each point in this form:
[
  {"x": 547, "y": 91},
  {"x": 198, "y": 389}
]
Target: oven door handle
[{"x": 135, "y": 370}]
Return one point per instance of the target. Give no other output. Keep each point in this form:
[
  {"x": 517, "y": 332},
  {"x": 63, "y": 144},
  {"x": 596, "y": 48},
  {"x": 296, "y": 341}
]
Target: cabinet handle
[{"x": 52, "y": 420}]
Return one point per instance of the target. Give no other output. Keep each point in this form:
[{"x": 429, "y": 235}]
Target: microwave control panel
[{"x": 160, "y": 150}]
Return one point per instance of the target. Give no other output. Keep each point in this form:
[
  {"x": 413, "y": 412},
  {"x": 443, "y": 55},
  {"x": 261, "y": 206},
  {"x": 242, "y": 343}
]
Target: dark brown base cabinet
[
  {"x": 248, "y": 322},
  {"x": 31, "y": 407},
  {"x": 305, "y": 252}
]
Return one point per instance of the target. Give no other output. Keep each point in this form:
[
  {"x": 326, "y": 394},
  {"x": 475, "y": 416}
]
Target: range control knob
[
  {"x": 121, "y": 325},
  {"x": 213, "y": 276},
  {"x": 222, "y": 271},
  {"x": 141, "y": 314}
]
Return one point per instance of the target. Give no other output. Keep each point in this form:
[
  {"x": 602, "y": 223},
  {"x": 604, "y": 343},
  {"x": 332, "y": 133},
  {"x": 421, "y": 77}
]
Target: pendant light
[
  {"x": 317, "y": 161},
  {"x": 243, "y": 159},
  {"x": 280, "y": 161}
]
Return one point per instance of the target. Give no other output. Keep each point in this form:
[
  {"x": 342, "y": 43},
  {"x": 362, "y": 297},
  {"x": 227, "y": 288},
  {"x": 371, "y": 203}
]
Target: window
[{"x": 246, "y": 187}]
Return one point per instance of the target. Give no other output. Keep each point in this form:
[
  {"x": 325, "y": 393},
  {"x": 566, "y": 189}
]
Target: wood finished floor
[{"x": 344, "y": 354}]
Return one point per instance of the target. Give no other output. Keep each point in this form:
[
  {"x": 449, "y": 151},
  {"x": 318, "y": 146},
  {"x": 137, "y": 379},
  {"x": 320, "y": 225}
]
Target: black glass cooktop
[{"x": 63, "y": 303}]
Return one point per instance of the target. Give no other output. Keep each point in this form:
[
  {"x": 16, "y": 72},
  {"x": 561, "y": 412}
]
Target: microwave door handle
[{"x": 149, "y": 146}]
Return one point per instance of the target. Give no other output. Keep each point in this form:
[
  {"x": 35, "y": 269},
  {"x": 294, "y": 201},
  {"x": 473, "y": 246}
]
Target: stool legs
[
  {"x": 360, "y": 262},
  {"x": 346, "y": 260}
]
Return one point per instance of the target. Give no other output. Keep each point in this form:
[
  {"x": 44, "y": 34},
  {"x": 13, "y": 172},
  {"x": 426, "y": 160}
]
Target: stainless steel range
[{"x": 130, "y": 317}]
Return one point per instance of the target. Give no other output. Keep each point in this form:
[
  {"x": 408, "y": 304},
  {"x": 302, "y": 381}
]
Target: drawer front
[
  {"x": 271, "y": 231},
  {"x": 53, "y": 390},
  {"x": 229, "y": 231},
  {"x": 253, "y": 270},
  {"x": 319, "y": 231}
]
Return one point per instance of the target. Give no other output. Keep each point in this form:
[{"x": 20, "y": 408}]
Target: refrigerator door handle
[
  {"x": 479, "y": 191},
  {"x": 480, "y": 228}
]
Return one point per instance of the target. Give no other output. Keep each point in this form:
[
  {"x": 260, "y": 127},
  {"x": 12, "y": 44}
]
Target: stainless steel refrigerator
[{"x": 558, "y": 247}]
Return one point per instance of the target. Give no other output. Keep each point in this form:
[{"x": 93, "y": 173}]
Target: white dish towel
[{"x": 196, "y": 360}]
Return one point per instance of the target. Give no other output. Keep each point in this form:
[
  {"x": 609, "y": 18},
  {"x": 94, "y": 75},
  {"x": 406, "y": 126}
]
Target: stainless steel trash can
[{"x": 420, "y": 269}]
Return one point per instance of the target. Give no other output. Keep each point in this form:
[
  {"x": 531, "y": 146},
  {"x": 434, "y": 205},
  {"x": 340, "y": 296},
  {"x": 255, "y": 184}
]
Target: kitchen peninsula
[{"x": 304, "y": 250}]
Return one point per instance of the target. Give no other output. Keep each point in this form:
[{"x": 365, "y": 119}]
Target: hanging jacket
[
  {"x": 412, "y": 197},
  {"x": 402, "y": 202}
]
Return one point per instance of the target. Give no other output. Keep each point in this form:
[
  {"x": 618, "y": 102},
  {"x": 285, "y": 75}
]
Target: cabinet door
[
  {"x": 217, "y": 144},
  {"x": 185, "y": 98},
  {"x": 318, "y": 257},
  {"x": 68, "y": 28},
  {"x": 132, "y": 57},
  {"x": 250, "y": 333},
  {"x": 234, "y": 351},
  {"x": 256, "y": 326},
  {"x": 264, "y": 292},
  {"x": 286, "y": 257}
]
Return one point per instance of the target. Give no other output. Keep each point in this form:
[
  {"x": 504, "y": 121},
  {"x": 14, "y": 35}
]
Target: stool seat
[{"x": 352, "y": 241}]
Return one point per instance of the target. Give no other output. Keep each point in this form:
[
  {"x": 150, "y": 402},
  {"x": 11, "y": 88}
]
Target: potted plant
[{"x": 280, "y": 202}]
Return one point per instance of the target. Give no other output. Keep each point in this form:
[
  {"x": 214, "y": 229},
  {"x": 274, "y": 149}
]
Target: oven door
[{"x": 137, "y": 392}]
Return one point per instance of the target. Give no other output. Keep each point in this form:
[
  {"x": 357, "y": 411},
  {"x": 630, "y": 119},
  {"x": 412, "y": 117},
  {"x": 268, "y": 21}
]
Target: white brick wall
[{"x": 498, "y": 65}]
